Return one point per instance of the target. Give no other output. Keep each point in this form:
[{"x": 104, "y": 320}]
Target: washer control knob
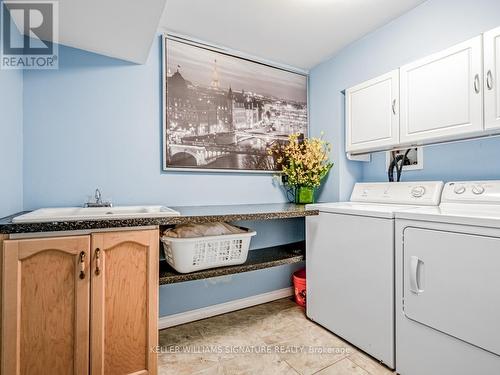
[
  {"x": 459, "y": 189},
  {"x": 478, "y": 189},
  {"x": 418, "y": 191}
]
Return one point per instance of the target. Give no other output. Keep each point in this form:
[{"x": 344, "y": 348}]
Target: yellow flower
[{"x": 304, "y": 162}]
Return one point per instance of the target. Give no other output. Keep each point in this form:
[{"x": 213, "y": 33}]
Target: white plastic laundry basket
[{"x": 194, "y": 254}]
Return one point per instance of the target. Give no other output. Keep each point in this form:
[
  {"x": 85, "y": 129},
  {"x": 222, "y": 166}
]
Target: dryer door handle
[{"x": 415, "y": 265}]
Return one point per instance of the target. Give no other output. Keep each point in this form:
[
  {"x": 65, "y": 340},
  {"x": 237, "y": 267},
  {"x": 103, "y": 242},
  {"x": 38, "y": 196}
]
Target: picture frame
[{"x": 212, "y": 122}]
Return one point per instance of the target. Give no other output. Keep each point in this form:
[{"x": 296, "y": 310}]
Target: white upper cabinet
[
  {"x": 491, "y": 79},
  {"x": 372, "y": 114},
  {"x": 442, "y": 95}
]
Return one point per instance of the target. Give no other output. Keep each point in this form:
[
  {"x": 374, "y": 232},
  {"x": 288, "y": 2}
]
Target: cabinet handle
[
  {"x": 82, "y": 265},
  {"x": 98, "y": 261},
  {"x": 476, "y": 84},
  {"x": 394, "y": 106},
  {"x": 489, "y": 80}
]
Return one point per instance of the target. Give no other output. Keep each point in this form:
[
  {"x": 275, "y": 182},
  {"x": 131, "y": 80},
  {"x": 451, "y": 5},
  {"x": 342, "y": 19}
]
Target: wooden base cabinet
[
  {"x": 45, "y": 322},
  {"x": 124, "y": 303},
  {"x": 80, "y": 305}
]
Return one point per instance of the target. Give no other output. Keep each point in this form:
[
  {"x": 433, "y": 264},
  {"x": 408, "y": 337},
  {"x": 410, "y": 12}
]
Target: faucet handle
[{"x": 98, "y": 196}]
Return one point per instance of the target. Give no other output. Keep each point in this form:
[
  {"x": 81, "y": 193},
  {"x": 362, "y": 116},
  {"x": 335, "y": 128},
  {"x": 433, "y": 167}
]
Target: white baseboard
[{"x": 222, "y": 308}]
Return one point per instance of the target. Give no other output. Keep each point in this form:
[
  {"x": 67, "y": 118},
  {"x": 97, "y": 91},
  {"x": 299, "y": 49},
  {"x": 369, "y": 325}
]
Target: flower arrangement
[{"x": 304, "y": 164}]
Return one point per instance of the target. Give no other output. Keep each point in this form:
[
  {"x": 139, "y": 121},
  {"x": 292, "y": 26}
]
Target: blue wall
[
  {"x": 97, "y": 122},
  {"x": 469, "y": 160},
  {"x": 11, "y": 138},
  {"x": 11, "y": 141},
  {"x": 428, "y": 28}
]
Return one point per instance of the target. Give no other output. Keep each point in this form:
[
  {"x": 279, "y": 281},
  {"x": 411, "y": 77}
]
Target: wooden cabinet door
[
  {"x": 442, "y": 95},
  {"x": 372, "y": 114},
  {"x": 124, "y": 305},
  {"x": 491, "y": 79},
  {"x": 46, "y": 306}
]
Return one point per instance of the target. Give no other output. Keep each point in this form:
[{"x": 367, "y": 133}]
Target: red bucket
[{"x": 299, "y": 285}]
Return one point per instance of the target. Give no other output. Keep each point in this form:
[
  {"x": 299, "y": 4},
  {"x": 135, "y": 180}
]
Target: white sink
[{"x": 94, "y": 213}]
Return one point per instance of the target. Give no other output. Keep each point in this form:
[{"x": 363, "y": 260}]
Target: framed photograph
[{"x": 222, "y": 111}]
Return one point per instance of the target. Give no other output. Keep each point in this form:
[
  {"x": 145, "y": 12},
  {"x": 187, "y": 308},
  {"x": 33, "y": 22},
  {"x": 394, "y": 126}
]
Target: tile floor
[{"x": 274, "y": 338}]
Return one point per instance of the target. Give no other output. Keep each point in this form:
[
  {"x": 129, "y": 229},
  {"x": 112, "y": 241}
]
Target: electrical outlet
[{"x": 415, "y": 158}]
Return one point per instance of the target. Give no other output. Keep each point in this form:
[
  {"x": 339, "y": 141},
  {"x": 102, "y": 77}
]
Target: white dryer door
[{"x": 452, "y": 284}]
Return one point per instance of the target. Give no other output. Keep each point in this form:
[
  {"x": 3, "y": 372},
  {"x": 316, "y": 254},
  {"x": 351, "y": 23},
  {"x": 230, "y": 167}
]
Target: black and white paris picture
[{"x": 223, "y": 112}]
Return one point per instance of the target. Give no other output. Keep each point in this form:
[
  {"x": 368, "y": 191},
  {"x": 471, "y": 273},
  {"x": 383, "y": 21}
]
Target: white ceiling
[
  {"x": 124, "y": 29},
  {"x": 298, "y": 33}
]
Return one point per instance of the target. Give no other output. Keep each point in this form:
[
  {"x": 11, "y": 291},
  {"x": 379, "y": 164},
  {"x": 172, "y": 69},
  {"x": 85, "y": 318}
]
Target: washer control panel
[
  {"x": 477, "y": 189},
  {"x": 425, "y": 193},
  {"x": 459, "y": 189},
  {"x": 418, "y": 191},
  {"x": 472, "y": 191}
]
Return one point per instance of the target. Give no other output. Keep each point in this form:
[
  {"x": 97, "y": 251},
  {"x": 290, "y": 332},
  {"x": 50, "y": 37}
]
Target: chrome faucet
[{"x": 98, "y": 201}]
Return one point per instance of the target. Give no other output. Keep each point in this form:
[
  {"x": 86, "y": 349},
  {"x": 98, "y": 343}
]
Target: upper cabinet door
[
  {"x": 441, "y": 95},
  {"x": 491, "y": 79},
  {"x": 372, "y": 114}
]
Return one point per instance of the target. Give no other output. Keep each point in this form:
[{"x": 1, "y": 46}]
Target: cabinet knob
[{"x": 394, "y": 106}]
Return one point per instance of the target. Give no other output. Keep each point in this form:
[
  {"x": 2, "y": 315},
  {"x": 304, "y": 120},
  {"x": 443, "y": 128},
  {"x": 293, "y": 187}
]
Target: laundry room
[{"x": 267, "y": 187}]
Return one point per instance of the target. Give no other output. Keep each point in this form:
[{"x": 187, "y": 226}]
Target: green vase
[{"x": 304, "y": 195}]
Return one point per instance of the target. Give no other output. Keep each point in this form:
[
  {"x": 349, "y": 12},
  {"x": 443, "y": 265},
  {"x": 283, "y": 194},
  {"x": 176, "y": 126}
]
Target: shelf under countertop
[{"x": 257, "y": 259}]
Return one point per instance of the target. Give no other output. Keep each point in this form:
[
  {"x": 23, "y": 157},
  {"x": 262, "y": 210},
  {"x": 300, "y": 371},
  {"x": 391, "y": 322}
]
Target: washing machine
[
  {"x": 448, "y": 283},
  {"x": 350, "y": 262}
]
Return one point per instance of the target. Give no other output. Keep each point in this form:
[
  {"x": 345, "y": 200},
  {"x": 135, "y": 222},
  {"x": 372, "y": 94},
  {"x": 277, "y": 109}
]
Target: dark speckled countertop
[{"x": 189, "y": 214}]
